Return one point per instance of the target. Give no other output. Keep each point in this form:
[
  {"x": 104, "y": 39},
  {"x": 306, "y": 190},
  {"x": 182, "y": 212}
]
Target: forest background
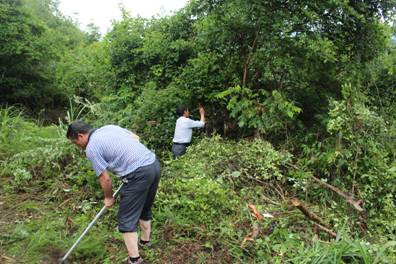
[{"x": 300, "y": 105}]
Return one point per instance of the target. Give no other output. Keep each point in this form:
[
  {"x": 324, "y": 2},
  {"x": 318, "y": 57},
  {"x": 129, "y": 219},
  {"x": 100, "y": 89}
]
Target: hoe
[{"x": 101, "y": 212}]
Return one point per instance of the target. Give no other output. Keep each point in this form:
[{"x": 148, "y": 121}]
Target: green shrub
[
  {"x": 245, "y": 162},
  {"x": 357, "y": 155},
  {"x": 196, "y": 201}
]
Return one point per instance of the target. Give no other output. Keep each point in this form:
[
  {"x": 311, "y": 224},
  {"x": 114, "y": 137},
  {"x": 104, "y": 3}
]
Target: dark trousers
[
  {"x": 137, "y": 196},
  {"x": 179, "y": 149}
]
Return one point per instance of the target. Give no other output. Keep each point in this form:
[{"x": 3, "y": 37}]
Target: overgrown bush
[
  {"x": 357, "y": 155},
  {"x": 218, "y": 177}
]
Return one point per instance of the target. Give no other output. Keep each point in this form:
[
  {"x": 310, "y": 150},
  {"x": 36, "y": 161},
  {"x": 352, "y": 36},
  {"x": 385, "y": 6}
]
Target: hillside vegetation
[{"x": 296, "y": 163}]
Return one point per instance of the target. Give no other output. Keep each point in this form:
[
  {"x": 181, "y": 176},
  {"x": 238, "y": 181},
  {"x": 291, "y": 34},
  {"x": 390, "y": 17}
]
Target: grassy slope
[{"x": 201, "y": 212}]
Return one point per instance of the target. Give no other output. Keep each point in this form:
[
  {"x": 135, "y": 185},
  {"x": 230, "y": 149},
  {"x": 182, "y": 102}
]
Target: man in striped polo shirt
[{"x": 113, "y": 148}]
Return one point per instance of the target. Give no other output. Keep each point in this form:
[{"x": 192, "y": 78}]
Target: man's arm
[
  {"x": 201, "y": 123},
  {"x": 202, "y": 113},
  {"x": 107, "y": 188}
]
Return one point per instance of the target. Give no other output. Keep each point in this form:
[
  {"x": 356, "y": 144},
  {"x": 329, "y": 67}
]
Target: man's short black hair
[
  {"x": 181, "y": 109},
  {"x": 77, "y": 127}
]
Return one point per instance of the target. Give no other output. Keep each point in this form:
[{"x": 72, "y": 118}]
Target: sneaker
[
  {"x": 145, "y": 245},
  {"x": 139, "y": 261}
]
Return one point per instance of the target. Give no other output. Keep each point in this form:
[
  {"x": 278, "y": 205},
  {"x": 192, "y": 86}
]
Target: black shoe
[
  {"x": 139, "y": 261},
  {"x": 145, "y": 245}
]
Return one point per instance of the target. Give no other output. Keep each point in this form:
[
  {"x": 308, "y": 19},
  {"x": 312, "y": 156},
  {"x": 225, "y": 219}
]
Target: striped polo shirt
[{"x": 115, "y": 149}]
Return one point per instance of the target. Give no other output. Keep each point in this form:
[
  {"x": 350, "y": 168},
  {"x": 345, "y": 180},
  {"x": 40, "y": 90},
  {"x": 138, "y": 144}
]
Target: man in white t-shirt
[{"x": 183, "y": 129}]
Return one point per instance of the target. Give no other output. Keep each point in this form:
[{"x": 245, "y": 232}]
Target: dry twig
[{"x": 328, "y": 231}]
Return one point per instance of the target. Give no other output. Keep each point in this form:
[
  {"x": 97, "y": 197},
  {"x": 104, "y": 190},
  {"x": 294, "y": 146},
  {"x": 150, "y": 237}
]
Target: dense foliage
[
  {"x": 35, "y": 40},
  {"x": 293, "y": 91}
]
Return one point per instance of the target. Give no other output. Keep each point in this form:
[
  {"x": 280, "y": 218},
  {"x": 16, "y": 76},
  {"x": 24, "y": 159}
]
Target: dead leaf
[
  {"x": 255, "y": 212},
  {"x": 252, "y": 235},
  {"x": 247, "y": 238}
]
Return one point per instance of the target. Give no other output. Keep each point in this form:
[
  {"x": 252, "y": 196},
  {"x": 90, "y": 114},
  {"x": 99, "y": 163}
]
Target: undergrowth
[{"x": 203, "y": 211}]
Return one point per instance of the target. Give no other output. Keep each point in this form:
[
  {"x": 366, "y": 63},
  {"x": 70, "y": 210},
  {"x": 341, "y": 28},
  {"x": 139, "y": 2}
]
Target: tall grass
[
  {"x": 11, "y": 119},
  {"x": 18, "y": 133},
  {"x": 346, "y": 250}
]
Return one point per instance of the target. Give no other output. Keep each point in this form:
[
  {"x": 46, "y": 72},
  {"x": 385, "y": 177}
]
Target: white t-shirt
[{"x": 183, "y": 130}]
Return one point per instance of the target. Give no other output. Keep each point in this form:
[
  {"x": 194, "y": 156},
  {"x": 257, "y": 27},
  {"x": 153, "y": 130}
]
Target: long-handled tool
[{"x": 101, "y": 212}]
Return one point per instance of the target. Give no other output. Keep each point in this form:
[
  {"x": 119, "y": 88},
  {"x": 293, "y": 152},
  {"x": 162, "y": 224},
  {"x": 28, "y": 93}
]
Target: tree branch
[
  {"x": 318, "y": 222},
  {"x": 297, "y": 203},
  {"x": 349, "y": 198},
  {"x": 245, "y": 67},
  {"x": 328, "y": 231}
]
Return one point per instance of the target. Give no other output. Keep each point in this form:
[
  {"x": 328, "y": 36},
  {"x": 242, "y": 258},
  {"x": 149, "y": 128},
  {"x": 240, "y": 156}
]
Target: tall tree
[
  {"x": 34, "y": 37},
  {"x": 23, "y": 56}
]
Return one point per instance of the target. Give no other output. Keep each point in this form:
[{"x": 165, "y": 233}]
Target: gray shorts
[{"x": 137, "y": 196}]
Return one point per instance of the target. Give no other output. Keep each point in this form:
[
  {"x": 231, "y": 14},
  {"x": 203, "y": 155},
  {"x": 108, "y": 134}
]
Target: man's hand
[
  {"x": 109, "y": 202},
  {"x": 201, "y": 110}
]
